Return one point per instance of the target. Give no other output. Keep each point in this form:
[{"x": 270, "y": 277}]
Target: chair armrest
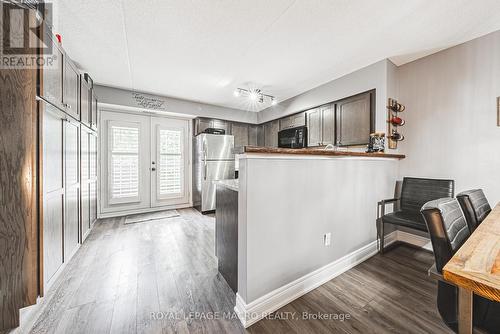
[
  {"x": 381, "y": 206},
  {"x": 433, "y": 273},
  {"x": 388, "y": 201}
]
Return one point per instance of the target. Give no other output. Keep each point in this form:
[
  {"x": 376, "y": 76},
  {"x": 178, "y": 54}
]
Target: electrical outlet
[{"x": 327, "y": 239}]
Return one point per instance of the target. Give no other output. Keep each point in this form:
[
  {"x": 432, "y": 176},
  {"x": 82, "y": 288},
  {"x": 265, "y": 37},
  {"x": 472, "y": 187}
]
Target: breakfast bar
[
  {"x": 475, "y": 268},
  {"x": 304, "y": 216}
]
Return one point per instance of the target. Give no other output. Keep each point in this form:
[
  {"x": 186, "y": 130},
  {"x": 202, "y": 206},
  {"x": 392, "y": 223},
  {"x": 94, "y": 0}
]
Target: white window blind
[
  {"x": 170, "y": 162},
  {"x": 124, "y": 162}
]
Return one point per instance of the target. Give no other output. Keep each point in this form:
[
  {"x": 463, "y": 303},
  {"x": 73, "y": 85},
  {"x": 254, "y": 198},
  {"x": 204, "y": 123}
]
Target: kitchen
[{"x": 233, "y": 167}]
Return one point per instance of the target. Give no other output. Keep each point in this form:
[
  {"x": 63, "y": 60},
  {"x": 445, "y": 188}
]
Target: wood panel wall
[{"x": 18, "y": 196}]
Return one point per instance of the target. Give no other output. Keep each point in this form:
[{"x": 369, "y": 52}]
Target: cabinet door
[
  {"x": 354, "y": 120},
  {"x": 253, "y": 135},
  {"x": 314, "y": 127},
  {"x": 240, "y": 133},
  {"x": 261, "y": 136},
  {"x": 201, "y": 125},
  {"x": 218, "y": 124},
  {"x": 52, "y": 88},
  {"x": 299, "y": 119},
  {"x": 85, "y": 186},
  {"x": 72, "y": 188},
  {"x": 286, "y": 123},
  {"x": 328, "y": 124},
  {"x": 93, "y": 177},
  {"x": 93, "y": 202},
  {"x": 53, "y": 190},
  {"x": 85, "y": 101},
  {"x": 71, "y": 85},
  {"x": 271, "y": 130},
  {"x": 94, "y": 111}
]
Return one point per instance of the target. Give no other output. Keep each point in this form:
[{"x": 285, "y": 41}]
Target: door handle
[
  {"x": 205, "y": 172},
  {"x": 205, "y": 159}
]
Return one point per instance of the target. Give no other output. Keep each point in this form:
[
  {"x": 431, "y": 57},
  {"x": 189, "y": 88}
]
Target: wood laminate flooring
[{"x": 161, "y": 277}]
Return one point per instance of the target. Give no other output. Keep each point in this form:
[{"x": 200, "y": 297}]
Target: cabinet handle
[{"x": 153, "y": 169}]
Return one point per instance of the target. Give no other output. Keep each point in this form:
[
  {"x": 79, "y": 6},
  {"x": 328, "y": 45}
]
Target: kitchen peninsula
[{"x": 304, "y": 216}]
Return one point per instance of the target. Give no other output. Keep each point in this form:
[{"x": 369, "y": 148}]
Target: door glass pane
[
  {"x": 124, "y": 162},
  {"x": 170, "y": 162},
  {"x": 170, "y": 141}
]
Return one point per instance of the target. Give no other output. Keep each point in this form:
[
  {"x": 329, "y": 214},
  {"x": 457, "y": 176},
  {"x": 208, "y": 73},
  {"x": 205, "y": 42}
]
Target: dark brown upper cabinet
[
  {"x": 320, "y": 125},
  {"x": 71, "y": 86},
  {"x": 94, "y": 111},
  {"x": 85, "y": 102},
  {"x": 52, "y": 87},
  {"x": 60, "y": 84},
  {"x": 355, "y": 119}
]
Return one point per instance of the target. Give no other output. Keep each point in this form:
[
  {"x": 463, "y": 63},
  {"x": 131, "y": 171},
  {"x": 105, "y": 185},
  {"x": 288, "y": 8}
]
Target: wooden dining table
[{"x": 475, "y": 268}]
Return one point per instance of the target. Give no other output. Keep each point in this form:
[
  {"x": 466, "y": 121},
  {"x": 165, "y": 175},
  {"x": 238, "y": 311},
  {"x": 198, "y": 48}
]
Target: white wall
[
  {"x": 121, "y": 97},
  {"x": 367, "y": 78},
  {"x": 451, "y": 129}
]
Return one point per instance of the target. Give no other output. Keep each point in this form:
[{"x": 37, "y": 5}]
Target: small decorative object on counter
[
  {"x": 377, "y": 142},
  {"x": 393, "y": 122}
]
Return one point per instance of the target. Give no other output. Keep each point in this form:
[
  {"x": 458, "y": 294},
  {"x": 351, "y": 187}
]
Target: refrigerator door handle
[{"x": 205, "y": 158}]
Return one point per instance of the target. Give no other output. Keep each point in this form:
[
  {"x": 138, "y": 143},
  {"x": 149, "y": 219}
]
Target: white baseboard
[
  {"x": 274, "y": 300},
  {"x": 414, "y": 239}
]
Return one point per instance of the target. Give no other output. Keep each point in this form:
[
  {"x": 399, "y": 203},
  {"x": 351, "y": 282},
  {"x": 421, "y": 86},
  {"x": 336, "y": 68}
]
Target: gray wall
[
  {"x": 370, "y": 77},
  {"x": 451, "y": 129},
  {"x": 281, "y": 235},
  {"x": 125, "y": 98},
  {"x": 377, "y": 76}
]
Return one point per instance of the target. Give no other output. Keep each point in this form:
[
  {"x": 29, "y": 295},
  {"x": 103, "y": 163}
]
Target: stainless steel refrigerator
[{"x": 213, "y": 160}]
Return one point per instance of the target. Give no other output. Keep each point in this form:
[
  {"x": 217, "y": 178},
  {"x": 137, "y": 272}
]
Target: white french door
[
  {"x": 145, "y": 163},
  {"x": 169, "y": 163}
]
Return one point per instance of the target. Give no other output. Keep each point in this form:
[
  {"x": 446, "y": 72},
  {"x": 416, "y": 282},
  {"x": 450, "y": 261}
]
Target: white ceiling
[{"x": 202, "y": 50}]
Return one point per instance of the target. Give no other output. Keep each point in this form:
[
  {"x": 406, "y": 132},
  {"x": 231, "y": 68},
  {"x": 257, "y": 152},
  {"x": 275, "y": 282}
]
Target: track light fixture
[{"x": 255, "y": 95}]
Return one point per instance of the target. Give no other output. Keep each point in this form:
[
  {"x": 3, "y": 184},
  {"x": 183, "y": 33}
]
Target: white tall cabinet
[
  {"x": 88, "y": 156},
  {"x": 72, "y": 186},
  {"x": 53, "y": 189}
]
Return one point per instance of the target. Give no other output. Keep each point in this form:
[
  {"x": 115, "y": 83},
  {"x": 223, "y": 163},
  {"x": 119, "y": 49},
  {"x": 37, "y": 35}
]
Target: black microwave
[{"x": 293, "y": 138}]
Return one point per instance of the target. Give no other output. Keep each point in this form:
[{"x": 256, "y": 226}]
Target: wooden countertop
[
  {"x": 317, "y": 151},
  {"x": 476, "y": 265}
]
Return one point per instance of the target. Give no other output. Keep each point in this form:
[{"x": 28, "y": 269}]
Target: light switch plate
[{"x": 327, "y": 239}]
